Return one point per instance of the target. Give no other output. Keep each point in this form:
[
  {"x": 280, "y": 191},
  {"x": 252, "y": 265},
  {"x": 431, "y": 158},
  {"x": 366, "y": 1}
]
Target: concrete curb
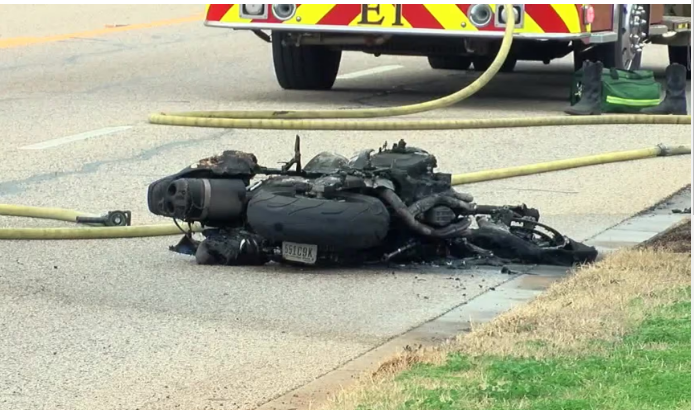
[
  {"x": 645, "y": 225},
  {"x": 518, "y": 290}
]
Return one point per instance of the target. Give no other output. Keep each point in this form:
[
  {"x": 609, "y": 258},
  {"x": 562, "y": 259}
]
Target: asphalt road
[{"x": 125, "y": 324}]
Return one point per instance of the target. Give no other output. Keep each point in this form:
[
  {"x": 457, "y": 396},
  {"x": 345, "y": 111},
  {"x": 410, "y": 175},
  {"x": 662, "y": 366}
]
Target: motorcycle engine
[{"x": 412, "y": 171}]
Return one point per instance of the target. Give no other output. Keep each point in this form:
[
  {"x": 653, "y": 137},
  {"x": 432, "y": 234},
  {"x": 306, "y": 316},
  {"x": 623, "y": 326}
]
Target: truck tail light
[{"x": 588, "y": 15}]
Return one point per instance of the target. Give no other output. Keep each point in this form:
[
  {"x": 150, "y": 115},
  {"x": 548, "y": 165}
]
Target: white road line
[
  {"x": 370, "y": 71},
  {"x": 77, "y": 137}
]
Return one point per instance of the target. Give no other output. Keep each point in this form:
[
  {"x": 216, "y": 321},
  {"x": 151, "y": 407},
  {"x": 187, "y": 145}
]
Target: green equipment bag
[{"x": 622, "y": 91}]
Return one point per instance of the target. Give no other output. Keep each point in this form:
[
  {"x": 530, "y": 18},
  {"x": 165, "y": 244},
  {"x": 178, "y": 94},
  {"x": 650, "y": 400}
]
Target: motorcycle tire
[{"x": 347, "y": 222}]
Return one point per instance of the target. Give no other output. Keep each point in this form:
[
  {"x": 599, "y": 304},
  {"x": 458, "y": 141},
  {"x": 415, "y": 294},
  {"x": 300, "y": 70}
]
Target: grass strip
[{"x": 615, "y": 335}]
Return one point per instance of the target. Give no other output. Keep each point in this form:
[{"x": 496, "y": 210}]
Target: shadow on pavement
[{"x": 532, "y": 87}]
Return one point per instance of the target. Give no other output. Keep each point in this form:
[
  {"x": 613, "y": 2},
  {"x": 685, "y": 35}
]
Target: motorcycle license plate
[{"x": 300, "y": 252}]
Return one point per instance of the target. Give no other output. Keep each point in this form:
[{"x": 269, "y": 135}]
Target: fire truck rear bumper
[{"x": 376, "y": 30}]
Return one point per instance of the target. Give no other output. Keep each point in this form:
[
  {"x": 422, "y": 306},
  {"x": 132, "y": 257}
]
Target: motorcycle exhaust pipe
[
  {"x": 401, "y": 210},
  {"x": 205, "y": 200}
]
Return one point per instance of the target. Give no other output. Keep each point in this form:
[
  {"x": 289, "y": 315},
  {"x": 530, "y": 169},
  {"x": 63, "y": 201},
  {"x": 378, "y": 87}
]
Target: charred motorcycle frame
[{"x": 378, "y": 206}]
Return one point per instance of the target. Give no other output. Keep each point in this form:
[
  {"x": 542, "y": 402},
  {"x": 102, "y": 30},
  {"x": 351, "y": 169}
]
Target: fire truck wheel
[
  {"x": 450, "y": 62},
  {"x": 608, "y": 54},
  {"x": 579, "y": 57},
  {"x": 482, "y": 63},
  {"x": 681, "y": 55},
  {"x": 611, "y": 57},
  {"x": 624, "y": 54},
  {"x": 304, "y": 67}
]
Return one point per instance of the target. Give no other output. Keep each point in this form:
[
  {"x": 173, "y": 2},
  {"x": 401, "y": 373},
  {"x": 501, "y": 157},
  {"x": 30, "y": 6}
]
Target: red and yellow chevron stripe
[{"x": 537, "y": 19}]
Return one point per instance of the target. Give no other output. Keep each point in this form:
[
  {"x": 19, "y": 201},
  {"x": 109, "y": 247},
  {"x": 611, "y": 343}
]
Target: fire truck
[{"x": 308, "y": 40}]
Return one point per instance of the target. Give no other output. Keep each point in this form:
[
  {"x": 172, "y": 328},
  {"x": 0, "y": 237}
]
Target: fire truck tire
[
  {"x": 449, "y": 62},
  {"x": 681, "y": 55},
  {"x": 579, "y": 57},
  {"x": 304, "y": 67},
  {"x": 482, "y": 63},
  {"x": 612, "y": 54}
]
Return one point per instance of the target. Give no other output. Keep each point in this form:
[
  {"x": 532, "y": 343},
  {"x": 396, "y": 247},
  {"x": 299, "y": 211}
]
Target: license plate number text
[{"x": 300, "y": 252}]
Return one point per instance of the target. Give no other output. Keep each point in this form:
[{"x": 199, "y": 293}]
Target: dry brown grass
[{"x": 597, "y": 302}]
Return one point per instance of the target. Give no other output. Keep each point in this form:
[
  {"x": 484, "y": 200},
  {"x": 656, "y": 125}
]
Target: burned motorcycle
[{"x": 379, "y": 206}]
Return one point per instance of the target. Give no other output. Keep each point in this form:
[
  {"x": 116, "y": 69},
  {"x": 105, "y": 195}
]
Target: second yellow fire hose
[{"x": 347, "y": 120}]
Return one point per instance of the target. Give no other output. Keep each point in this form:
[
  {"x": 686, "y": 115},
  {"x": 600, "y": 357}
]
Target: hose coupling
[
  {"x": 666, "y": 151},
  {"x": 112, "y": 218}
]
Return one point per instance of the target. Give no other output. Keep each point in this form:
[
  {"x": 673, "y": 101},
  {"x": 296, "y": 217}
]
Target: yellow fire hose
[
  {"x": 315, "y": 119},
  {"x": 68, "y": 215},
  {"x": 347, "y": 120},
  {"x": 501, "y": 173}
]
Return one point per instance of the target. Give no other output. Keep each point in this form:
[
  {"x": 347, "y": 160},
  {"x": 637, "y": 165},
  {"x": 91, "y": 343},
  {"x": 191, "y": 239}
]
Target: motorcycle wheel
[{"x": 347, "y": 221}]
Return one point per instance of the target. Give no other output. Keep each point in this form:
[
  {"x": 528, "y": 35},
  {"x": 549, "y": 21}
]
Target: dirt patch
[{"x": 677, "y": 239}]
